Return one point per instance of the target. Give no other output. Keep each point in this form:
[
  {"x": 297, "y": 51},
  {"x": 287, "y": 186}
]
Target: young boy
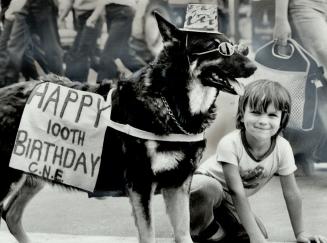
[{"x": 245, "y": 160}]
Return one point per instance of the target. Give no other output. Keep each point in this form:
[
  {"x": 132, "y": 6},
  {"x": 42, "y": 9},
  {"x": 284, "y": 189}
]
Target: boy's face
[{"x": 262, "y": 125}]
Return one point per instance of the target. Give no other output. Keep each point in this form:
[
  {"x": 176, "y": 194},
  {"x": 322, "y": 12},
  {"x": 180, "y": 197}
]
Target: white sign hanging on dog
[{"x": 60, "y": 136}]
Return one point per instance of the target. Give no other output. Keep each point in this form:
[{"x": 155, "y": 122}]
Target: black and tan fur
[{"x": 190, "y": 85}]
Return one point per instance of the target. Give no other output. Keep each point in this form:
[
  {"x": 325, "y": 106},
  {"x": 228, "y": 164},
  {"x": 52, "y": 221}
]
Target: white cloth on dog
[{"x": 60, "y": 136}]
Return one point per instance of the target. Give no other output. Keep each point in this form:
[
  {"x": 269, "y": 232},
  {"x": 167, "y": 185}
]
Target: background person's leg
[
  {"x": 19, "y": 40},
  {"x": 8, "y": 74},
  {"x": 79, "y": 57},
  {"x": 309, "y": 21},
  {"x": 127, "y": 54},
  {"x": 119, "y": 22},
  {"x": 45, "y": 25}
]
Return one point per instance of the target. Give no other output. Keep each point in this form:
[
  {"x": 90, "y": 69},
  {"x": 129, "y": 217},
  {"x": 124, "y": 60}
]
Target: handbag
[{"x": 299, "y": 73}]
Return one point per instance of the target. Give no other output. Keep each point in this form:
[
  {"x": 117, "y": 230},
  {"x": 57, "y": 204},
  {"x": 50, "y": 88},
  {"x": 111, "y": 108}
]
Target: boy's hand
[{"x": 308, "y": 238}]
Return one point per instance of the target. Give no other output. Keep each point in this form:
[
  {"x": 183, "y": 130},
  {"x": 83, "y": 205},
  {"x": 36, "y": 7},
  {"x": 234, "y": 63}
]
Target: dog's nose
[{"x": 250, "y": 67}]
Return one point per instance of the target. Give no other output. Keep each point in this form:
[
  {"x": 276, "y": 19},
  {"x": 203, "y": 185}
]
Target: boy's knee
[
  {"x": 205, "y": 192},
  {"x": 199, "y": 200}
]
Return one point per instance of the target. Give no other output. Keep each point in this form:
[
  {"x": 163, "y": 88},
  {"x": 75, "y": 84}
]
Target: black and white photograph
[{"x": 163, "y": 121}]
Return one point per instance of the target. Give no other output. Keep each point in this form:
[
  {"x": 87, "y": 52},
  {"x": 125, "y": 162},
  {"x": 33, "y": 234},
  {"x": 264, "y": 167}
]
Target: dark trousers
[
  {"x": 8, "y": 73},
  {"x": 80, "y": 56},
  {"x": 119, "y": 20},
  {"x": 35, "y": 32}
]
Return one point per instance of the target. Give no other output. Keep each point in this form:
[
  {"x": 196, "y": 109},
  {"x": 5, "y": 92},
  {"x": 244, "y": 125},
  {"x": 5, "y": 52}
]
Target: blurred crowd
[
  {"x": 114, "y": 37},
  {"x": 30, "y": 43},
  {"x": 109, "y": 37}
]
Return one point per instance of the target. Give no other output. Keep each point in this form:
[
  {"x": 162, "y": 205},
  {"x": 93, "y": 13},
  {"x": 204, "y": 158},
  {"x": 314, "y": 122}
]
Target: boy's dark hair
[{"x": 259, "y": 95}]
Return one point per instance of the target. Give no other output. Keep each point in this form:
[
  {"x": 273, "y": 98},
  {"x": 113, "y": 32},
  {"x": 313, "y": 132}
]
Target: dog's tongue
[{"x": 238, "y": 87}]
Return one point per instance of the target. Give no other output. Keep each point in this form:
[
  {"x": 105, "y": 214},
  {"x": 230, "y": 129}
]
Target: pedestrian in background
[
  {"x": 34, "y": 36},
  {"x": 305, "y": 21},
  {"x": 27, "y": 51},
  {"x": 82, "y": 55},
  {"x": 119, "y": 19},
  {"x": 8, "y": 73}
]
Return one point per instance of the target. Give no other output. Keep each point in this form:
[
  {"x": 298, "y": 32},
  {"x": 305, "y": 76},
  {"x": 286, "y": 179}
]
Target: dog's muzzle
[{"x": 231, "y": 86}]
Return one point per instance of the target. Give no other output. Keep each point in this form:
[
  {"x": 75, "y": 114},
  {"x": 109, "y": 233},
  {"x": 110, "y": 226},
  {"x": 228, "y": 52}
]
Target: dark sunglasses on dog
[{"x": 224, "y": 48}]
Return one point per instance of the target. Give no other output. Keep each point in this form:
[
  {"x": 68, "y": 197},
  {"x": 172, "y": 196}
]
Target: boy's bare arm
[
  {"x": 293, "y": 201},
  {"x": 243, "y": 209}
]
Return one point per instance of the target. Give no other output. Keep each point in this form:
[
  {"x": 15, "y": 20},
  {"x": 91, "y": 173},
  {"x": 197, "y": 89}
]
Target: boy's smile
[{"x": 261, "y": 125}]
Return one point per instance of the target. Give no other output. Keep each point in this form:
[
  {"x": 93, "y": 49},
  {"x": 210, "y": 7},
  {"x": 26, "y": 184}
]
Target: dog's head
[{"x": 210, "y": 57}]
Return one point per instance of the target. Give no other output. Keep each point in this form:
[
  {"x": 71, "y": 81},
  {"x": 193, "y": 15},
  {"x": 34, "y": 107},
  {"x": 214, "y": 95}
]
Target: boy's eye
[
  {"x": 274, "y": 114},
  {"x": 256, "y": 112}
]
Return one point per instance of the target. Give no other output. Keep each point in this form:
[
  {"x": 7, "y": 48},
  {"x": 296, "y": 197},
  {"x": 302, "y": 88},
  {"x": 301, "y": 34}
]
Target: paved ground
[
  {"x": 55, "y": 238},
  {"x": 55, "y": 216}
]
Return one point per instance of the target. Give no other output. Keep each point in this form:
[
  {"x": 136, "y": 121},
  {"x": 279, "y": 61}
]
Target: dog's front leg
[
  {"x": 177, "y": 203},
  {"x": 142, "y": 210},
  {"x": 15, "y": 210}
]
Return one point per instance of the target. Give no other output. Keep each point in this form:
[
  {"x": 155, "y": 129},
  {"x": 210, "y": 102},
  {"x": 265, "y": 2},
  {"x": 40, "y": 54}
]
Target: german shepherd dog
[{"x": 176, "y": 94}]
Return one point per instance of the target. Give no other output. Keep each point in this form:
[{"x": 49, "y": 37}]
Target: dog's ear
[{"x": 169, "y": 32}]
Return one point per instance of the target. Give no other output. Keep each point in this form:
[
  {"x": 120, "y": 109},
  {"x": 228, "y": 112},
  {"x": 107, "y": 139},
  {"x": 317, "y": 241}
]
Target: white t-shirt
[{"x": 232, "y": 150}]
